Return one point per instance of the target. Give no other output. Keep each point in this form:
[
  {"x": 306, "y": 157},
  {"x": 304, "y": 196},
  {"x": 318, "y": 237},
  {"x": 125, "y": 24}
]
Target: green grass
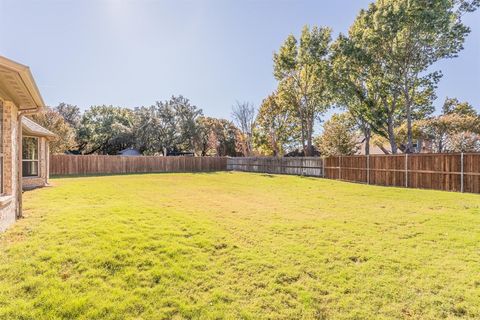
[{"x": 238, "y": 245}]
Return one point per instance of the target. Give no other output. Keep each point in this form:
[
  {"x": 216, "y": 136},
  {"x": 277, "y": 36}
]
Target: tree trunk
[
  {"x": 383, "y": 149},
  {"x": 309, "y": 151},
  {"x": 419, "y": 146},
  {"x": 408, "y": 107},
  {"x": 440, "y": 144},
  {"x": 391, "y": 135},
  {"x": 409, "y": 147},
  {"x": 274, "y": 146},
  {"x": 303, "y": 138},
  {"x": 367, "y": 134}
]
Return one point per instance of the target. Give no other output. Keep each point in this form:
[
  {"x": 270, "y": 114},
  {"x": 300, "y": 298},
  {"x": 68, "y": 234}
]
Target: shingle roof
[{"x": 32, "y": 128}]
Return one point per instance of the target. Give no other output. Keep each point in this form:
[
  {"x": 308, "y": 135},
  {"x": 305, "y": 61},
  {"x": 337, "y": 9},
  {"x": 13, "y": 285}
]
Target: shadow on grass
[
  {"x": 129, "y": 174},
  {"x": 28, "y": 189},
  {"x": 267, "y": 175}
]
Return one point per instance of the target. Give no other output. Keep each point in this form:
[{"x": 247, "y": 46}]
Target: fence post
[
  {"x": 462, "y": 172},
  {"x": 406, "y": 170},
  {"x": 323, "y": 167},
  {"x": 340, "y": 167},
  {"x": 368, "y": 169}
]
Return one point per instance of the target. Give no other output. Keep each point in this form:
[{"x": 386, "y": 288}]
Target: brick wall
[{"x": 9, "y": 198}]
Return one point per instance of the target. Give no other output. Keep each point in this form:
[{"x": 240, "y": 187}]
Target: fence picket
[
  {"x": 99, "y": 164},
  {"x": 451, "y": 172}
]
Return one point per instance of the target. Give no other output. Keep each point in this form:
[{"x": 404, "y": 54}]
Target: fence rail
[
  {"x": 451, "y": 172},
  {"x": 100, "y": 164},
  {"x": 308, "y": 166}
]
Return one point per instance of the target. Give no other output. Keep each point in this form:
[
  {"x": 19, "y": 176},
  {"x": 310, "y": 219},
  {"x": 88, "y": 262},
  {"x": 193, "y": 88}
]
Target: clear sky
[{"x": 214, "y": 52}]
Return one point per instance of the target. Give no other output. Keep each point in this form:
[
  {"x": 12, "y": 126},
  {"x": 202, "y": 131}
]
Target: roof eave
[
  {"x": 27, "y": 78},
  {"x": 26, "y": 132}
]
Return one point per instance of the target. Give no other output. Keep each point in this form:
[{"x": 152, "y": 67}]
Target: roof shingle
[{"x": 32, "y": 128}]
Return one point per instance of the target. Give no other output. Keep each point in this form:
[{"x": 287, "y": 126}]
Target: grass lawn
[{"x": 239, "y": 245}]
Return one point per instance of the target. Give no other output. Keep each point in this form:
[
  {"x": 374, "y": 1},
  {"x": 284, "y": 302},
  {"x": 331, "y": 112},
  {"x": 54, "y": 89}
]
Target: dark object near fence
[
  {"x": 450, "y": 172},
  {"x": 180, "y": 153},
  {"x": 96, "y": 164},
  {"x": 301, "y": 153}
]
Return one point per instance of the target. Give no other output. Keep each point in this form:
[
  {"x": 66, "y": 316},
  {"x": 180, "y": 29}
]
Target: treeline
[
  {"x": 455, "y": 129},
  {"x": 170, "y": 127},
  {"x": 380, "y": 77}
]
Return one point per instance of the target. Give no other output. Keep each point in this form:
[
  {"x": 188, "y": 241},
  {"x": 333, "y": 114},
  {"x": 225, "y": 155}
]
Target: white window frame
[{"x": 32, "y": 160}]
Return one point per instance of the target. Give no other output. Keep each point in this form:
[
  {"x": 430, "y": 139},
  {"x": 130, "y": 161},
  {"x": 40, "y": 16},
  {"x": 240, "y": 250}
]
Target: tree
[
  {"x": 304, "y": 73},
  {"x": 453, "y": 106},
  {"x": 187, "y": 125},
  {"x": 65, "y": 135},
  {"x": 70, "y": 113},
  {"x": 243, "y": 114},
  {"x": 227, "y": 137},
  {"x": 156, "y": 129},
  {"x": 146, "y": 131},
  {"x": 458, "y": 121},
  {"x": 399, "y": 40},
  {"x": 106, "y": 130},
  {"x": 203, "y": 145},
  {"x": 275, "y": 127},
  {"x": 217, "y": 137},
  {"x": 339, "y": 137},
  {"x": 365, "y": 84},
  {"x": 167, "y": 126},
  {"x": 463, "y": 142},
  {"x": 355, "y": 89}
]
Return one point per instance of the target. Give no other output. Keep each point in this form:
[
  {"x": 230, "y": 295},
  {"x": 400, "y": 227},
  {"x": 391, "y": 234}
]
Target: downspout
[
  {"x": 20, "y": 156},
  {"x": 47, "y": 160}
]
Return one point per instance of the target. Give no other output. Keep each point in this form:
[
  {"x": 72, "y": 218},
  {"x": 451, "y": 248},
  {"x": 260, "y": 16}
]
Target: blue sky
[{"x": 214, "y": 52}]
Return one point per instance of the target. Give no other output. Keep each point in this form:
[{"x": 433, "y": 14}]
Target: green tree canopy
[
  {"x": 304, "y": 72},
  {"x": 218, "y": 137},
  {"x": 167, "y": 126},
  {"x": 386, "y": 59},
  {"x": 71, "y": 114},
  {"x": 276, "y": 129},
  {"x": 106, "y": 130},
  {"x": 340, "y": 136},
  {"x": 65, "y": 135},
  {"x": 455, "y": 130}
]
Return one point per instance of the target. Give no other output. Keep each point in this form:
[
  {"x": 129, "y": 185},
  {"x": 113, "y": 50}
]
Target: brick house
[
  {"x": 35, "y": 154},
  {"x": 19, "y": 96}
]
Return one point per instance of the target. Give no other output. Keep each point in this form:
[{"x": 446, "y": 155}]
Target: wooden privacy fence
[
  {"x": 93, "y": 164},
  {"x": 308, "y": 166},
  {"x": 451, "y": 172}
]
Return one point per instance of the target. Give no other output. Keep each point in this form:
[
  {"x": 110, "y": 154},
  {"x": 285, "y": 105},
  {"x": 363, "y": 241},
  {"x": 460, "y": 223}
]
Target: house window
[{"x": 30, "y": 157}]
